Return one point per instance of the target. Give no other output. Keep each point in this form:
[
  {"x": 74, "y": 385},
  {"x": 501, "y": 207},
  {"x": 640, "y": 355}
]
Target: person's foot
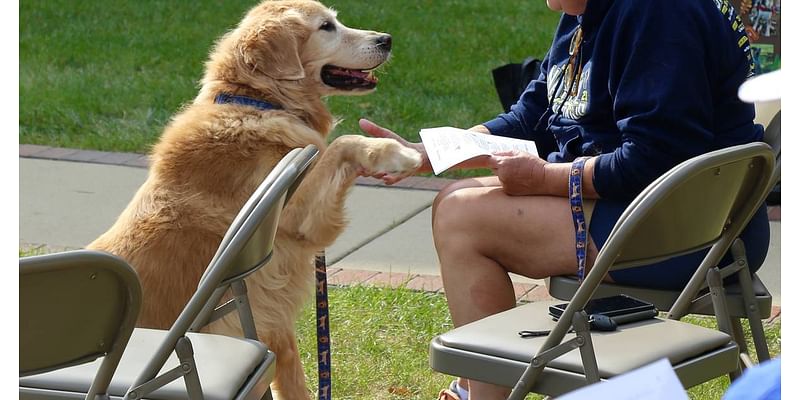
[{"x": 453, "y": 392}]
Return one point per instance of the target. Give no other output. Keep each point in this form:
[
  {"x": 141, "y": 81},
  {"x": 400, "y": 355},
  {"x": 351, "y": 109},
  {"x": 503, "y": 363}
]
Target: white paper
[
  {"x": 448, "y": 146},
  {"x": 656, "y": 381}
]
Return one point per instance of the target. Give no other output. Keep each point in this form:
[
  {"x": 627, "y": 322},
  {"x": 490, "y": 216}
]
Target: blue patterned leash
[
  {"x": 578, "y": 218},
  {"x": 323, "y": 329}
]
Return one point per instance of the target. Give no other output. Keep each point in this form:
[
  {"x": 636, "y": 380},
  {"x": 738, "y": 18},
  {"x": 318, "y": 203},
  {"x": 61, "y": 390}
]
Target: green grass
[
  {"x": 380, "y": 343},
  {"x": 107, "y": 75}
]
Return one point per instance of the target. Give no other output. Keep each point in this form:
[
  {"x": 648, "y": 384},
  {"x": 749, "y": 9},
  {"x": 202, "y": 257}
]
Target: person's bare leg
[{"x": 481, "y": 234}]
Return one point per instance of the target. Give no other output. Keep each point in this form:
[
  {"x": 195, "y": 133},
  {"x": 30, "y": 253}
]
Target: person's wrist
[
  {"x": 553, "y": 178},
  {"x": 480, "y": 129}
]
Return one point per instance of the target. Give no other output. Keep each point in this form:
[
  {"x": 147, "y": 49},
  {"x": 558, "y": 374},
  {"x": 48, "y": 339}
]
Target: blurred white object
[
  {"x": 656, "y": 381},
  {"x": 765, "y": 87},
  {"x": 765, "y": 91}
]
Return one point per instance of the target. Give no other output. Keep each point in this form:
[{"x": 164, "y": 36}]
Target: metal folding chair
[
  {"x": 668, "y": 218},
  {"x": 210, "y": 366},
  {"x": 747, "y": 297},
  {"x": 76, "y": 307}
]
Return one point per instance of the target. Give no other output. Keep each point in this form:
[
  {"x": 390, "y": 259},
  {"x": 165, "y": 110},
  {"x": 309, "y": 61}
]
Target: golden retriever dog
[{"x": 212, "y": 156}]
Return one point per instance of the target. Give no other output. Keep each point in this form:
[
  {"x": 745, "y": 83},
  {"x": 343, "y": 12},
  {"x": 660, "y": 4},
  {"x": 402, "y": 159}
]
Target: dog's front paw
[{"x": 388, "y": 156}]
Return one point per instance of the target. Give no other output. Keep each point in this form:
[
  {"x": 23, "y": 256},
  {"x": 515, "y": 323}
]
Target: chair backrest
[
  {"x": 254, "y": 241},
  {"x": 75, "y": 307},
  {"x": 691, "y": 206},
  {"x": 703, "y": 202},
  {"x": 245, "y": 247}
]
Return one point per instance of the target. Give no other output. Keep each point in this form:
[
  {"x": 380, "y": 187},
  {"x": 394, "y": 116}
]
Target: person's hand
[
  {"x": 374, "y": 130},
  {"x": 520, "y": 173}
]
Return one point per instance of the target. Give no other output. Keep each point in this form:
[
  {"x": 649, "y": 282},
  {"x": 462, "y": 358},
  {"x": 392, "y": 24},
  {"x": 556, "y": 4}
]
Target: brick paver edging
[{"x": 338, "y": 277}]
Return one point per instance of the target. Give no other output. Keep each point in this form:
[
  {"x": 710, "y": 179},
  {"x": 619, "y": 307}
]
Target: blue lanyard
[
  {"x": 323, "y": 329},
  {"x": 578, "y": 219}
]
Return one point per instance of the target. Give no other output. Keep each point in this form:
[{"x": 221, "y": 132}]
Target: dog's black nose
[{"x": 384, "y": 42}]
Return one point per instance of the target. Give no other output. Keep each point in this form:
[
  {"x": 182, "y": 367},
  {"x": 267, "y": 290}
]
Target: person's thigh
[
  {"x": 531, "y": 236},
  {"x": 483, "y": 181}
]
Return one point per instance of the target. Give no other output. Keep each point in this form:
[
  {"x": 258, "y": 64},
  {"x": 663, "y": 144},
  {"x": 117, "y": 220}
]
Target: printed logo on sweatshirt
[
  {"x": 729, "y": 12},
  {"x": 572, "y": 98}
]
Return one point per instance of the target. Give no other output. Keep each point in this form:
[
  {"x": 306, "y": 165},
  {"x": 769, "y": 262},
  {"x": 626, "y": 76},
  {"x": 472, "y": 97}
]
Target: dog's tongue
[{"x": 351, "y": 73}]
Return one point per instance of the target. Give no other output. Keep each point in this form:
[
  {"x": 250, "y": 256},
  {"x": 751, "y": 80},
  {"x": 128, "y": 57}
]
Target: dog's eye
[{"x": 327, "y": 26}]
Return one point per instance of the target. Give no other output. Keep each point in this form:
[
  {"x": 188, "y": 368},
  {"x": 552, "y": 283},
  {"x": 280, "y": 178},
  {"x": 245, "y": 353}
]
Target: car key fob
[{"x": 600, "y": 322}]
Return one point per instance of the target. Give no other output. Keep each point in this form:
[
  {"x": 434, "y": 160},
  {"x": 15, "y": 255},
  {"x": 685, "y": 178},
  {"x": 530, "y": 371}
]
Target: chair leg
[
  {"x": 760, "y": 341},
  {"x": 738, "y": 335},
  {"x": 185, "y": 353},
  {"x": 582, "y": 340},
  {"x": 753, "y": 317},
  {"x": 714, "y": 280},
  {"x": 239, "y": 290},
  {"x": 581, "y": 324}
]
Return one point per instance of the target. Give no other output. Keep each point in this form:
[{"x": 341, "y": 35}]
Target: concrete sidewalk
[{"x": 68, "y": 197}]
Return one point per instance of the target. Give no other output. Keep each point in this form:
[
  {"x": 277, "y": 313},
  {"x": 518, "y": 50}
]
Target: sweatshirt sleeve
[
  {"x": 521, "y": 120},
  {"x": 662, "y": 100}
]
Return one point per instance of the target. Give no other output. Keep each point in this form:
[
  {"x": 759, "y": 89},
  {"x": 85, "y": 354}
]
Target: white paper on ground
[
  {"x": 448, "y": 146},
  {"x": 656, "y": 381}
]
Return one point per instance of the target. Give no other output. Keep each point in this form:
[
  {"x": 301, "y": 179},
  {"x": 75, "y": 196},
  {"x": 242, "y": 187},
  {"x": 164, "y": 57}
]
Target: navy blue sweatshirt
[{"x": 656, "y": 84}]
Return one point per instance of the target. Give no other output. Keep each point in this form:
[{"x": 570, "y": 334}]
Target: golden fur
[{"x": 211, "y": 157}]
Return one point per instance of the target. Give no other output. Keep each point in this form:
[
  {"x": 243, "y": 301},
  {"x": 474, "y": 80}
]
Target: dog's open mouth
[{"x": 348, "y": 79}]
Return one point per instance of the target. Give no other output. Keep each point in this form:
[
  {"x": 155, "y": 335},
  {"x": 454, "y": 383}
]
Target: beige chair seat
[
  {"x": 480, "y": 349},
  {"x": 223, "y": 363}
]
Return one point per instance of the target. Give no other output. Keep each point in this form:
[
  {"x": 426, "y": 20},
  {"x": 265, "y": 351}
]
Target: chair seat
[
  {"x": 225, "y": 364},
  {"x": 564, "y": 287},
  {"x": 494, "y": 340}
]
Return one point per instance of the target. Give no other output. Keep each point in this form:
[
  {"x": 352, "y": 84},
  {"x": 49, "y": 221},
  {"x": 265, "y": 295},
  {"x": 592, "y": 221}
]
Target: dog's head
[{"x": 302, "y": 41}]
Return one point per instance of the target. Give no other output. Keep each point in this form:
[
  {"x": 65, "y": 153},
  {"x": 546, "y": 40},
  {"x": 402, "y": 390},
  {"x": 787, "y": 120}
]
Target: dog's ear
[{"x": 274, "y": 48}]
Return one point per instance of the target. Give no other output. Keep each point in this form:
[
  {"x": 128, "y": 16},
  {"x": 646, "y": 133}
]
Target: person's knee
[
  {"x": 451, "y": 189},
  {"x": 445, "y": 206},
  {"x": 454, "y": 229},
  {"x": 444, "y": 193},
  {"x": 454, "y": 220},
  {"x": 439, "y": 199}
]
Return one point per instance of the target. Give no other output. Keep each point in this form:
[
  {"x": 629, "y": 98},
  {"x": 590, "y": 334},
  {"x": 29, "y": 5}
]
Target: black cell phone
[{"x": 620, "y": 308}]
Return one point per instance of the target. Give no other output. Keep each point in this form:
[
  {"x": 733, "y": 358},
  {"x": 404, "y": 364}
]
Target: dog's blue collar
[{"x": 227, "y": 98}]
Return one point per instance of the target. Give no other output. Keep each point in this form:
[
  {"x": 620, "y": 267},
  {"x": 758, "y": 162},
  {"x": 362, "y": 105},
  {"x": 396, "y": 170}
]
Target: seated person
[{"x": 628, "y": 90}]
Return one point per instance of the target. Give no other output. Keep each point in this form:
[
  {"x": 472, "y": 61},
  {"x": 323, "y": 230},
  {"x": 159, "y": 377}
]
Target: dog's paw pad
[
  {"x": 399, "y": 160},
  {"x": 407, "y": 160},
  {"x": 388, "y": 156}
]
